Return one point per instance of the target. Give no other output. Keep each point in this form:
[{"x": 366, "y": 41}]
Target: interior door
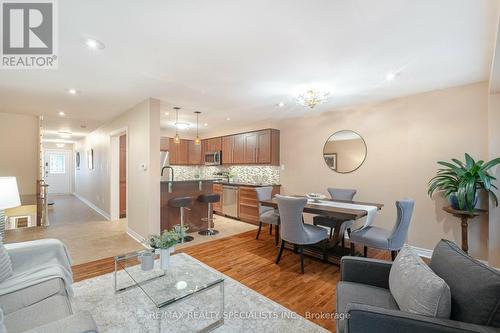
[
  {"x": 123, "y": 176},
  {"x": 58, "y": 171}
]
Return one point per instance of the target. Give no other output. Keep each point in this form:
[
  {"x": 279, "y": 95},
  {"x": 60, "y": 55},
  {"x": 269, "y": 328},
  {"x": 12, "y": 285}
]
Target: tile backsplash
[{"x": 242, "y": 173}]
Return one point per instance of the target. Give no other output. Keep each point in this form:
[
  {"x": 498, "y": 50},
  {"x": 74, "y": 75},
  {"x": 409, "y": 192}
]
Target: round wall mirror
[{"x": 344, "y": 151}]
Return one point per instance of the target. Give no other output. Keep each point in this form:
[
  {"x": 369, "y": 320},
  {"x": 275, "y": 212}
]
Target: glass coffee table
[{"x": 185, "y": 278}]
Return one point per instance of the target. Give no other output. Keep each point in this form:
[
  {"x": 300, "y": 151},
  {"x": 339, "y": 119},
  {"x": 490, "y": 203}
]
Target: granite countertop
[{"x": 190, "y": 180}]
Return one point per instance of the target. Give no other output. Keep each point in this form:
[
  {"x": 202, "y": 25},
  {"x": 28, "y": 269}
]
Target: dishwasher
[{"x": 230, "y": 200}]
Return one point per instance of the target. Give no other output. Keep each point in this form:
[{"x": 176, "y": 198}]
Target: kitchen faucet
[{"x": 168, "y": 167}]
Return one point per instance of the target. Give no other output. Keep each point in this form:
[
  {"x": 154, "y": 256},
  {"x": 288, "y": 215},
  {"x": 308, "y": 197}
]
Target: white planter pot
[
  {"x": 147, "y": 260},
  {"x": 165, "y": 258}
]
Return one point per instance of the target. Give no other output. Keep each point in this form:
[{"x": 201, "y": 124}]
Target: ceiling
[{"x": 238, "y": 59}]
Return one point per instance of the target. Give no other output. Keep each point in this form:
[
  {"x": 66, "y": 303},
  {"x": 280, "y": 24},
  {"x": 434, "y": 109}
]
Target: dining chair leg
[
  {"x": 270, "y": 229},
  {"x": 349, "y": 232},
  {"x": 343, "y": 241},
  {"x": 258, "y": 232},
  {"x": 276, "y": 234},
  {"x": 393, "y": 255},
  {"x": 325, "y": 247},
  {"x": 280, "y": 251},
  {"x": 301, "y": 250},
  {"x": 365, "y": 251},
  {"x": 331, "y": 232},
  {"x": 353, "y": 250}
]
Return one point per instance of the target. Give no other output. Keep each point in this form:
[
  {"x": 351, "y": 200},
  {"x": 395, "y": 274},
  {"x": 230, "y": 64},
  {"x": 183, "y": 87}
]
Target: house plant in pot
[
  {"x": 164, "y": 245},
  {"x": 460, "y": 181}
]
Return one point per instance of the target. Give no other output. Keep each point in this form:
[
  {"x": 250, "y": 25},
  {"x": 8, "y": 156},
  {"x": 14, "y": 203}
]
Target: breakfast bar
[{"x": 170, "y": 216}]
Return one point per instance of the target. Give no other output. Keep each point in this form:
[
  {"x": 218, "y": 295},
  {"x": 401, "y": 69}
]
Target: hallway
[{"x": 68, "y": 209}]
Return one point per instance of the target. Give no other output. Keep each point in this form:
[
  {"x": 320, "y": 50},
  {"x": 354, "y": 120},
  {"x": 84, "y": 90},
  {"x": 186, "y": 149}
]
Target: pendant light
[
  {"x": 177, "y": 138},
  {"x": 197, "y": 141}
]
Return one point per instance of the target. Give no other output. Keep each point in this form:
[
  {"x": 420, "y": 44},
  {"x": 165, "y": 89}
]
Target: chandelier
[{"x": 312, "y": 98}]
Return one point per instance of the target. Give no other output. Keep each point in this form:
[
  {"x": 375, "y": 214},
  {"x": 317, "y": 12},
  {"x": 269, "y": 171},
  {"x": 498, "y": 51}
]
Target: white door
[{"x": 58, "y": 171}]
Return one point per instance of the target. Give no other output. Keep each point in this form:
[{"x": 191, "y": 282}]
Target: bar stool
[
  {"x": 182, "y": 203},
  {"x": 210, "y": 199}
]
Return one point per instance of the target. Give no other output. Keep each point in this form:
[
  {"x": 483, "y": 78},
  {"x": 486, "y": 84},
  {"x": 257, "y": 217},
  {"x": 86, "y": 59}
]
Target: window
[{"x": 57, "y": 163}]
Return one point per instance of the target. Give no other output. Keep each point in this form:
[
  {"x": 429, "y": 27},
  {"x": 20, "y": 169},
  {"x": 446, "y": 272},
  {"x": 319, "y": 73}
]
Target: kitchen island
[{"x": 170, "y": 216}]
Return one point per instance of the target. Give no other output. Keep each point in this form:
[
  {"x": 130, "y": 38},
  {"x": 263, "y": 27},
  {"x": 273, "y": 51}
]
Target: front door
[{"x": 58, "y": 171}]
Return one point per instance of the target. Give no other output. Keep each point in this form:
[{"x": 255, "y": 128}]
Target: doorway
[
  {"x": 58, "y": 169},
  {"x": 123, "y": 176}
]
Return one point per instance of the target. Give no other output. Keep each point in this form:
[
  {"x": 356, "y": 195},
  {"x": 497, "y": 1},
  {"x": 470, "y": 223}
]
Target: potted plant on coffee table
[
  {"x": 164, "y": 245},
  {"x": 460, "y": 181}
]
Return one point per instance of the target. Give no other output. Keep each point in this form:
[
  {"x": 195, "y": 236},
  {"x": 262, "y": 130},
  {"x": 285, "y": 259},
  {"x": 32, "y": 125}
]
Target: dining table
[{"x": 334, "y": 251}]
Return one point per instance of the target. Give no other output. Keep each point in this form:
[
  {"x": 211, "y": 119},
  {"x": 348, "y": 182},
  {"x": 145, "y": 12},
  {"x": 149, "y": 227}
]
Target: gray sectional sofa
[
  {"x": 365, "y": 301},
  {"x": 41, "y": 307}
]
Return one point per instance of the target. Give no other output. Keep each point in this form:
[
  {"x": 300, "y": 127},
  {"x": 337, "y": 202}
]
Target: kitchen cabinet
[
  {"x": 238, "y": 149},
  {"x": 248, "y": 204},
  {"x": 214, "y": 144},
  {"x": 227, "y": 149},
  {"x": 217, "y": 206},
  {"x": 194, "y": 153},
  {"x": 250, "y": 148},
  {"x": 179, "y": 152}
]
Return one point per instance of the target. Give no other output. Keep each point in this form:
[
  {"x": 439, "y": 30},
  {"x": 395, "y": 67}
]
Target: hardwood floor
[{"x": 251, "y": 262}]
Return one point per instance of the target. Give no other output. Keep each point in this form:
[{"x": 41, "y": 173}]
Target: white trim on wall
[
  {"x": 94, "y": 207},
  {"x": 135, "y": 236},
  {"x": 426, "y": 253}
]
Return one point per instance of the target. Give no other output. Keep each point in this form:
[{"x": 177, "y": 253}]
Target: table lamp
[{"x": 9, "y": 198}]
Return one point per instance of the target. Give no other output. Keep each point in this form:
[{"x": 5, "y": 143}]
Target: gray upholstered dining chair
[
  {"x": 294, "y": 231},
  {"x": 330, "y": 222},
  {"x": 267, "y": 215},
  {"x": 391, "y": 240}
]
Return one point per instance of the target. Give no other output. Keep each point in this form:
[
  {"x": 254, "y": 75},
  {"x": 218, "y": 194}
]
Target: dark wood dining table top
[{"x": 341, "y": 213}]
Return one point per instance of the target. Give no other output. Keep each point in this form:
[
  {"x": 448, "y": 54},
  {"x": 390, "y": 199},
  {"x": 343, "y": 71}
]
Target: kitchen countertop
[
  {"x": 190, "y": 180},
  {"x": 243, "y": 184}
]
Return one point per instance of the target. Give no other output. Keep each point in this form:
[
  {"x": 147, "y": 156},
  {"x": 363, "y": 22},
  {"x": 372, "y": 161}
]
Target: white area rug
[{"x": 132, "y": 311}]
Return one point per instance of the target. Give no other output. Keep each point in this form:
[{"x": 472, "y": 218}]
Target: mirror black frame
[{"x": 362, "y": 162}]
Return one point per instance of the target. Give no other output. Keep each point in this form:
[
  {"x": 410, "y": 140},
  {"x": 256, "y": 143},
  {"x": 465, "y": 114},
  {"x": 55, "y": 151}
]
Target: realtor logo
[{"x": 29, "y": 34}]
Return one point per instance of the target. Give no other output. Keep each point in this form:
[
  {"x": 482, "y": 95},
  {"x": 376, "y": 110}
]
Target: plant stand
[{"x": 464, "y": 217}]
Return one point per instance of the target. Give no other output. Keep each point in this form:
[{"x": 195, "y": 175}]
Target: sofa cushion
[
  {"x": 416, "y": 288},
  {"x": 5, "y": 264},
  {"x": 475, "y": 287},
  {"x": 41, "y": 313},
  {"x": 350, "y": 292},
  {"x": 32, "y": 294}
]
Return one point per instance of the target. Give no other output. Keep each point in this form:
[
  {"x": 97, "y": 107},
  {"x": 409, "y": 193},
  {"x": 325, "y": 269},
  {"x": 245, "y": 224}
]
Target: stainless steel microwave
[{"x": 213, "y": 158}]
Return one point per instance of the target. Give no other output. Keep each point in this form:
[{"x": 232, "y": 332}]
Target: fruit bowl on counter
[{"x": 316, "y": 197}]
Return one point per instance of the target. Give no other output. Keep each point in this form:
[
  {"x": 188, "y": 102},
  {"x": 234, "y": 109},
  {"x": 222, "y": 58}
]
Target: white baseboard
[
  {"x": 94, "y": 207},
  {"x": 135, "y": 236}
]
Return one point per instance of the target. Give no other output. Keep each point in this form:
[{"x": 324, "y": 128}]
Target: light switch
[{"x": 143, "y": 167}]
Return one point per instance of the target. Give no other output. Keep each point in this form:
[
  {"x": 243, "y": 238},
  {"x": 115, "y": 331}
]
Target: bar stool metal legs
[
  {"x": 182, "y": 203},
  {"x": 210, "y": 199},
  {"x": 186, "y": 238}
]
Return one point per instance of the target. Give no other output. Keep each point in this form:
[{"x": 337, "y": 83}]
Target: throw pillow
[{"x": 416, "y": 288}]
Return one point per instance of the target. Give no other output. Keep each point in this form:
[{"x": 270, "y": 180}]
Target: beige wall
[
  {"x": 142, "y": 124},
  {"x": 19, "y": 150},
  {"x": 494, "y": 152},
  {"x": 405, "y": 137}
]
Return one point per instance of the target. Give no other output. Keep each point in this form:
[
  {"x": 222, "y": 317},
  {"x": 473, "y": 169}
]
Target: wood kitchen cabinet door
[
  {"x": 217, "y": 206},
  {"x": 173, "y": 151},
  {"x": 264, "y": 147},
  {"x": 179, "y": 152},
  {"x": 194, "y": 153},
  {"x": 239, "y": 149},
  {"x": 214, "y": 144},
  {"x": 249, "y": 205},
  {"x": 227, "y": 149},
  {"x": 250, "y": 148}
]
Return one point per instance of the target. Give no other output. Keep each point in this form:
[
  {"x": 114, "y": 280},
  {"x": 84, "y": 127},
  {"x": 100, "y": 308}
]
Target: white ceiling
[{"x": 238, "y": 58}]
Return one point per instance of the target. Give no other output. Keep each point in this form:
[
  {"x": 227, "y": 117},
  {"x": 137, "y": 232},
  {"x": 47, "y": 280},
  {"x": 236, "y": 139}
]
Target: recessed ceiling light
[
  {"x": 182, "y": 126},
  {"x": 390, "y": 76},
  {"x": 64, "y": 135},
  {"x": 280, "y": 104},
  {"x": 60, "y": 145},
  {"x": 73, "y": 91},
  {"x": 94, "y": 44},
  {"x": 166, "y": 113},
  {"x": 61, "y": 113},
  {"x": 228, "y": 118},
  {"x": 205, "y": 124}
]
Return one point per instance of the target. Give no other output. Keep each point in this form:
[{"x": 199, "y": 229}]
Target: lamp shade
[{"x": 9, "y": 194}]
